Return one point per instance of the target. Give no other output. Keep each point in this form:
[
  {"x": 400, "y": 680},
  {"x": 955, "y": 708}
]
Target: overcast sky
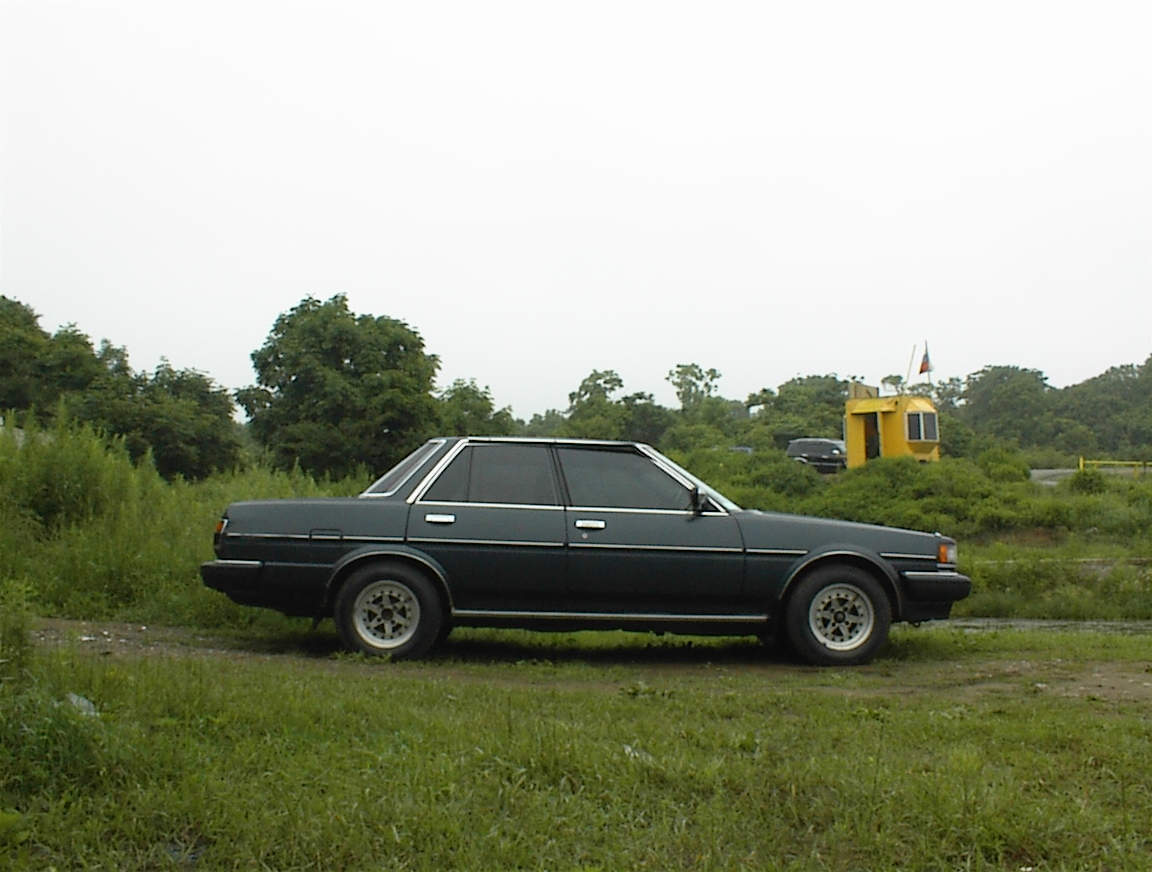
[{"x": 542, "y": 189}]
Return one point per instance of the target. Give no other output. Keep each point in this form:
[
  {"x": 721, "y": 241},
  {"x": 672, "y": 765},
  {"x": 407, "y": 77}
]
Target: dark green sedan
[{"x": 563, "y": 534}]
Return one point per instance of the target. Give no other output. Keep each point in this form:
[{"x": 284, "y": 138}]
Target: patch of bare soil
[{"x": 970, "y": 680}]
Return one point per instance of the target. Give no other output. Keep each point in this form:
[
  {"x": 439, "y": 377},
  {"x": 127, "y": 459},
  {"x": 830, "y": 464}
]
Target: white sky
[{"x": 542, "y": 189}]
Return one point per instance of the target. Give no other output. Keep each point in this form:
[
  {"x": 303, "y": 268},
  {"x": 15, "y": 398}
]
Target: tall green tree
[
  {"x": 337, "y": 390},
  {"x": 181, "y": 416},
  {"x": 466, "y": 409},
  {"x": 594, "y": 413},
  {"x": 37, "y": 368}
]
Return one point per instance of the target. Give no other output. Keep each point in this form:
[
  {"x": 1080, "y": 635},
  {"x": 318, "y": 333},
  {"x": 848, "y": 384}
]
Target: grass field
[{"x": 512, "y": 750}]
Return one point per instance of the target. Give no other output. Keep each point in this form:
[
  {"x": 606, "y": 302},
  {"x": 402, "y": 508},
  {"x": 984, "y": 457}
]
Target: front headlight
[{"x": 946, "y": 553}]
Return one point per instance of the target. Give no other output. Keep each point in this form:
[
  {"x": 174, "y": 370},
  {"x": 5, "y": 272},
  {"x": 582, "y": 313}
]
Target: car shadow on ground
[{"x": 604, "y": 648}]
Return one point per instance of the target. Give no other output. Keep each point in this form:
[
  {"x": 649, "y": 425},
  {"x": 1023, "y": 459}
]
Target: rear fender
[{"x": 353, "y": 560}]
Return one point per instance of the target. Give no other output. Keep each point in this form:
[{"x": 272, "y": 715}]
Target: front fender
[{"x": 864, "y": 558}]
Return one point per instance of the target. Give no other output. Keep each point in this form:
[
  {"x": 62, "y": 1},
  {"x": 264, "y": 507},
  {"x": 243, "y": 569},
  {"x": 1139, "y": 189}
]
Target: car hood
[{"x": 778, "y": 531}]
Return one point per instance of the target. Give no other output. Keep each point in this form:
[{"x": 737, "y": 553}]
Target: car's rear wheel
[
  {"x": 389, "y": 608},
  {"x": 838, "y": 616}
]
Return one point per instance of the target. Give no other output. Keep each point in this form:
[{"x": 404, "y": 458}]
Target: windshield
[
  {"x": 718, "y": 497},
  {"x": 394, "y": 479}
]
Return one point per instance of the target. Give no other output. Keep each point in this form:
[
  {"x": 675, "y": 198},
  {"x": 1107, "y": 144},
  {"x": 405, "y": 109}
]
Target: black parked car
[
  {"x": 570, "y": 534},
  {"x": 823, "y": 455}
]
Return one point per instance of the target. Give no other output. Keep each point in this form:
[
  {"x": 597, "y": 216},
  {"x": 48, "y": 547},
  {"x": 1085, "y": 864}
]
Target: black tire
[
  {"x": 838, "y": 616},
  {"x": 389, "y": 609}
]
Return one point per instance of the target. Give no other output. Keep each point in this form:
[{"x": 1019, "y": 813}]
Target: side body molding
[{"x": 354, "y": 559}]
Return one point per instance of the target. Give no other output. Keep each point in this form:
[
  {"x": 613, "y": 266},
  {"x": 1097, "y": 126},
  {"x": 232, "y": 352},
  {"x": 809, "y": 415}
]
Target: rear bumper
[{"x": 228, "y": 576}]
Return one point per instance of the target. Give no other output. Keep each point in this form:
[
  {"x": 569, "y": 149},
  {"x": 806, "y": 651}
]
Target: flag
[{"x": 925, "y": 363}]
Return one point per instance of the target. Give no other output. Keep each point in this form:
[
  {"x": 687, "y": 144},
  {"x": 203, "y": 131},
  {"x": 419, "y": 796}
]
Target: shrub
[{"x": 1088, "y": 481}]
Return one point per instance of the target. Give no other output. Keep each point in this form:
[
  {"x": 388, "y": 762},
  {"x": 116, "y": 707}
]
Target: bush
[
  {"x": 1088, "y": 481},
  {"x": 66, "y": 474}
]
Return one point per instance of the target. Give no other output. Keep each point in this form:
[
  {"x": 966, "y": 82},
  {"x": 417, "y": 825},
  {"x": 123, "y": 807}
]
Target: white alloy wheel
[
  {"x": 386, "y": 614},
  {"x": 841, "y": 617}
]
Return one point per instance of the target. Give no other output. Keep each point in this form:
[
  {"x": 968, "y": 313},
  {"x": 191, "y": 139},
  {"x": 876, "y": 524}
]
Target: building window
[{"x": 922, "y": 427}]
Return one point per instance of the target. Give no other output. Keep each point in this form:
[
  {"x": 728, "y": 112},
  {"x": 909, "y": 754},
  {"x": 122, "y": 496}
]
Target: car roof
[{"x": 543, "y": 440}]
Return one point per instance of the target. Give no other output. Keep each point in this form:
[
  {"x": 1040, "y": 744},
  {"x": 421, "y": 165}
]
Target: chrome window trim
[
  {"x": 611, "y": 616},
  {"x": 895, "y": 555},
  {"x": 247, "y": 563},
  {"x": 489, "y": 505},
  {"x": 777, "y": 552},
  {"x": 683, "y": 513},
  {"x": 448, "y": 540},
  {"x": 705, "y": 548},
  {"x": 373, "y": 538},
  {"x": 435, "y": 443}
]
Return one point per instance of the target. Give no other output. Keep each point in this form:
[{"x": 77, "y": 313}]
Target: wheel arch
[
  {"x": 870, "y": 563},
  {"x": 396, "y": 553}
]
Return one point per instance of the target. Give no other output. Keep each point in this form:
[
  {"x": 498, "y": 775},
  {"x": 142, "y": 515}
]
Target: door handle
[
  {"x": 440, "y": 519},
  {"x": 587, "y": 524}
]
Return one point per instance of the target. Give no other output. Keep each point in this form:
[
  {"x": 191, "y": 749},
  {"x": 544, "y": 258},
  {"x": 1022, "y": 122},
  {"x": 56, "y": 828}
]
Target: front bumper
[{"x": 936, "y": 587}]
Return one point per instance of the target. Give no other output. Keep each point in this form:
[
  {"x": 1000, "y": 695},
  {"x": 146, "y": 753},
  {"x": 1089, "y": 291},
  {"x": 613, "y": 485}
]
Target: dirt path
[{"x": 1099, "y": 679}]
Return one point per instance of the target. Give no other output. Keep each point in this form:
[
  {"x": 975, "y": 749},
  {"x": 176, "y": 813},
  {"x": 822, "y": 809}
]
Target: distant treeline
[{"x": 337, "y": 393}]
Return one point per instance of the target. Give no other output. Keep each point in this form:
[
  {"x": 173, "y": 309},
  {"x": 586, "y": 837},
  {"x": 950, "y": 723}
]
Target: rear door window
[{"x": 498, "y": 474}]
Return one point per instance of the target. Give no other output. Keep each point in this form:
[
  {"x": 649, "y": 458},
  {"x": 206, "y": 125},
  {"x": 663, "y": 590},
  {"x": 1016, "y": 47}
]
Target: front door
[
  {"x": 494, "y": 521},
  {"x": 634, "y": 542}
]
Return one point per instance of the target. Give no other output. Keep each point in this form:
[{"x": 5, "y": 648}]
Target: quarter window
[
  {"x": 503, "y": 474},
  {"x": 922, "y": 427},
  {"x": 395, "y": 478},
  {"x": 605, "y": 479}
]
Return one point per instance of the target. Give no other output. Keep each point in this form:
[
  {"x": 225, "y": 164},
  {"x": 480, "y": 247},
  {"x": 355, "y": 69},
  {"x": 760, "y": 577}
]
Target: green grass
[{"x": 515, "y": 750}]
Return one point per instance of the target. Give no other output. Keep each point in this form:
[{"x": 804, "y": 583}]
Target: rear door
[{"x": 494, "y": 521}]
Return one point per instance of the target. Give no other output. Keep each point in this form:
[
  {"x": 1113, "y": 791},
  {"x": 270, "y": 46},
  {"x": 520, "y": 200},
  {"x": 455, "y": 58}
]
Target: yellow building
[{"x": 876, "y": 426}]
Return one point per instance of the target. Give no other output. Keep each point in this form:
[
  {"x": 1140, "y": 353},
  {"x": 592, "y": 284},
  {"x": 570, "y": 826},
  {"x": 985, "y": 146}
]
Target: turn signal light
[{"x": 946, "y": 553}]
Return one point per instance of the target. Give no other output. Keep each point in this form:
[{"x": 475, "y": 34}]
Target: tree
[
  {"x": 182, "y": 416},
  {"x": 811, "y": 405},
  {"x": 468, "y": 410},
  {"x": 37, "y": 368},
  {"x": 693, "y": 384},
  {"x": 336, "y": 390},
  {"x": 592, "y": 414}
]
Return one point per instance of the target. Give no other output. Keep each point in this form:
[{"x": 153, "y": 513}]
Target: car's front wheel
[
  {"x": 838, "y": 616},
  {"x": 388, "y": 609}
]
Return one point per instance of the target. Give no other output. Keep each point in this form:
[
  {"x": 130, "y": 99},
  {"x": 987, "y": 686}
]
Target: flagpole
[{"x": 911, "y": 360}]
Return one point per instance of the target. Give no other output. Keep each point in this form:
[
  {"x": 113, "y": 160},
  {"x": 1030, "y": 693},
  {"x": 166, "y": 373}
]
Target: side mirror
[{"x": 700, "y": 501}]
